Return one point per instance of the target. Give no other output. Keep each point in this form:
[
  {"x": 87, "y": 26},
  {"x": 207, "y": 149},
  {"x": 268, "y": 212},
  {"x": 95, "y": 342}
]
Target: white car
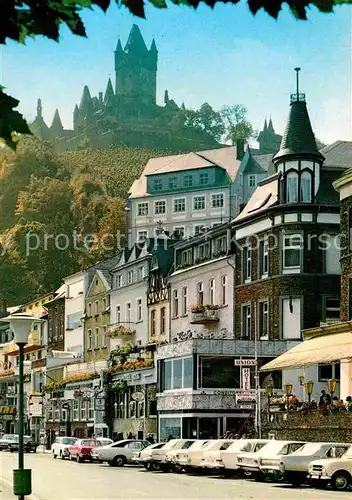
[
  {"x": 171, "y": 456},
  {"x": 271, "y": 457},
  {"x": 120, "y": 453},
  {"x": 294, "y": 467},
  {"x": 334, "y": 471},
  {"x": 158, "y": 457},
  {"x": 195, "y": 454},
  {"x": 100, "y": 442},
  {"x": 228, "y": 458},
  {"x": 189, "y": 458},
  {"x": 60, "y": 446},
  {"x": 143, "y": 457},
  {"x": 211, "y": 455}
]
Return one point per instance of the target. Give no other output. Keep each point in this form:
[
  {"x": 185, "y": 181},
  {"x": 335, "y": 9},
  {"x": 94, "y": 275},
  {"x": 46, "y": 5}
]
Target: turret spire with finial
[{"x": 39, "y": 108}]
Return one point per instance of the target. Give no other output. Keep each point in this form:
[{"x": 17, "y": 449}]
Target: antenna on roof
[{"x": 297, "y": 70}]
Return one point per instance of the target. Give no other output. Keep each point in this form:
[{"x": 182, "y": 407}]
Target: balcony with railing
[{"x": 204, "y": 315}]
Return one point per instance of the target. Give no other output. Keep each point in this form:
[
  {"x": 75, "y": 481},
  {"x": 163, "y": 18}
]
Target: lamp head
[
  {"x": 301, "y": 380},
  {"x": 21, "y": 325},
  {"x": 332, "y": 385},
  {"x": 309, "y": 387},
  {"x": 288, "y": 389}
]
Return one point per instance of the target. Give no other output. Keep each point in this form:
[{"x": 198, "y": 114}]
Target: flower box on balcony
[
  {"x": 121, "y": 331},
  {"x": 206, "y": 317},
  {"x": 7, "y": 373},
  {"x": 132, "y": 365}
]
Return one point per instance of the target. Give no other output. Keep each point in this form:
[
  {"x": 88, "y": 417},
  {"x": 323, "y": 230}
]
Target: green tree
[
  {"x": 204, "y": 119},
  {"x": 236, "y": 124},
  {"x": 21, "y": 19}
]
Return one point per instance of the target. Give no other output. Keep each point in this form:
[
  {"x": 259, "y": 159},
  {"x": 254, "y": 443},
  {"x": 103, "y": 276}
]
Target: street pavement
[{"x": 64, "y": 480}]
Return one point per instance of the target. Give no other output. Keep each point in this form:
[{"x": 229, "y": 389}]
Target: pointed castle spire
[
  {"x": 153, "y": 47},
  {"x": 135, "y": 42},
  {"x": 109, "y": 92},
  {"x": 56, "y": 125},
  {"x": 86, "y": 97},
  {"x": 39, "y": 109},
  {"x": 271, "y": 127},
  {"x": 119, "y": 46},
  {"x": 298, "y": 138}
]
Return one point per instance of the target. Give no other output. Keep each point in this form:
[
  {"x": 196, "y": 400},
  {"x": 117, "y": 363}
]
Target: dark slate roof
[
  {"x": 326, "y": 194},
  {"x": 135, "y": 42},
  {"x": 298, "y": 138},
  {"x": 251, "y": 164},
  {"x": 106, "y": 275},
  {"x": 338, "y": 154}
]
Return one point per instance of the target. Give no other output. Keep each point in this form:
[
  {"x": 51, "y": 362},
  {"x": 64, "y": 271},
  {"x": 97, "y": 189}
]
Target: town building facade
[{"x": 287, "y": 266}]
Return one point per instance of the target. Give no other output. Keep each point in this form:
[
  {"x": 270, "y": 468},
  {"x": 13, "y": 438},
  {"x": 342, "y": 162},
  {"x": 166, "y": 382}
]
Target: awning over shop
[{"x": 318, "y": 349}]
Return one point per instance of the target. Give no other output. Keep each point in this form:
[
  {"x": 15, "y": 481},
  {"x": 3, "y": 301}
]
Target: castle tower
[
  {"x": 298, "y": 160},
  {"x": 135, "y": 70},
  {"x": 56, "y": 126},
  {"x": 269, "y": 141}
]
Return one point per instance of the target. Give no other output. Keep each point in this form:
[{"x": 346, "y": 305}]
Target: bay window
[
  {"x": 292, "y": 187},
  {"x": 306, "y": 187},
  {"x": 292, "y": 249},
  {"x": 177, "y": 373}
]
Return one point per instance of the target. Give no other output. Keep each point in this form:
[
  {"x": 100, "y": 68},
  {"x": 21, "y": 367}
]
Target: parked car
[
  {"x": 294, "y": 467},
  {"x": 81, "y": 450},
  {"x": 195, "y": 455},
  {"x": 60, "y": 446},
  {"x": 334, "y": 471},
  {"x": 271, "y": 456},
  {"x": 143, "y": 457},
  {"x": 228, "y": 458},
  {"x": 120, "y": 453},
  {"x": 189, "y": 458},
  {"x": 29, "y": 444},
  {"x": 171, "y": 455},
  {"x": 6, "y": 440},
  {"x": 158, "y": 456},
  {"x": 211, "y": 455},
  {"x": 99, "y": 442}
]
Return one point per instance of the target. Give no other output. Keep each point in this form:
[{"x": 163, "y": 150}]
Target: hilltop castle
[{"x": 128, "y": 114}]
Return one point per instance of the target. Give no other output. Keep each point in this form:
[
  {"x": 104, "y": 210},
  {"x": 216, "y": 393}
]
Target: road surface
[{"x": 64, "y": 480}]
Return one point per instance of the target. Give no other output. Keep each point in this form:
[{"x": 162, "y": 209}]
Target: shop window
[{"x": 218, "y": 372}]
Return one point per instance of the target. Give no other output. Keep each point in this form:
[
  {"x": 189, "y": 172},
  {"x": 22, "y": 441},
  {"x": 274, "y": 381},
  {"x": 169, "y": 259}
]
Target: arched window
[
  {"x": 306, "y": 186},
  {"x": 292, "y": 187}
]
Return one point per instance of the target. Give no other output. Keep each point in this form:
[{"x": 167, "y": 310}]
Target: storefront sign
[
  {"x": 246, "y": 397},
  {"x": 36, "y": 406},
  {"x": 132, "y": 376},
  {"x": 138, "y": 396},
  {"x": 245, "y": 362},
  {"x": 246, "y": 379},
  {"x": 99, "y": 404}
]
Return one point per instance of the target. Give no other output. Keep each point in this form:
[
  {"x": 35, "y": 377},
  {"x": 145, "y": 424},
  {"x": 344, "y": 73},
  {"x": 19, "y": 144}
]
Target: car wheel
[
  {"x": 147, "y": 466},
  {"x": 120, "y": 461},
  {"x": 54, "y": 455},
  {"x": 61, "y": 455},
  {"x": 78, "y": 459},
  {"x": 340, "y": 481},
  {"x": 155, "y": 466}
]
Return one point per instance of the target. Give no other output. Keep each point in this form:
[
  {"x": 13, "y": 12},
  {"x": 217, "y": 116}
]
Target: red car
[{"x": 81, "y": 450}]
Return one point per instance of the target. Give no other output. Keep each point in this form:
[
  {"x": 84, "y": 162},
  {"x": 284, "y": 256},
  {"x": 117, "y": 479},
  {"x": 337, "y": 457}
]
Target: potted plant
[
  {"x": 211, "y": 308},
  {"x": 197, "y": 308}
]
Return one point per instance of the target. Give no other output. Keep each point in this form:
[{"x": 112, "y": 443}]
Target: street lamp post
[
  {"x": 288, "y": 392},
  {"x": 21, "y": 325}
]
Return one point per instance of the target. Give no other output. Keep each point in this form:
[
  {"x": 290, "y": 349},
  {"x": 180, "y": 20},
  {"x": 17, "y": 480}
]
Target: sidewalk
[{"x": 6, "y": 492}]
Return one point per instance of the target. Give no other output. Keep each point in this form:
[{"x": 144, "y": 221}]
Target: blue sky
[{"x": 220, "y": 56}]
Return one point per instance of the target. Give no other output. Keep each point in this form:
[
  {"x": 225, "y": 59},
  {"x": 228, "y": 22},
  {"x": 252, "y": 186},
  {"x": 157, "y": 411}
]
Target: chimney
[
  {"x": 101, "y": 97},
  {"x": 239, "y": 149}
]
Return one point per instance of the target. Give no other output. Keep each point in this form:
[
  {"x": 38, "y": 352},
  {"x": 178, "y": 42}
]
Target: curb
[{"x": 10, "y": 484}]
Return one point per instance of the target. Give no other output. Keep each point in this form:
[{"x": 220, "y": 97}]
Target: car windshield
[
  {"x": 89, "y": 442},
  {"x": 69, "y": 440}
]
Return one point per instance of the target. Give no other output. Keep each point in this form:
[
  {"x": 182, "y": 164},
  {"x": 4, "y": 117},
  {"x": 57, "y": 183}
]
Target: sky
[{"x": 223, "y": 56}]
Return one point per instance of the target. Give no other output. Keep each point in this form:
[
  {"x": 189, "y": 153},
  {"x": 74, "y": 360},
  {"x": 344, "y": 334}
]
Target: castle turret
[
  {"x": 38, "y": 127},
  {"x": 109, "y": 92},
  {"x": 75, "y": 117},
  {"x": 298, "y": 160},
  {"x": 85, "y": 106},
  {"x": 56, "y": 126},
  {"x": 136, "y": 68}
]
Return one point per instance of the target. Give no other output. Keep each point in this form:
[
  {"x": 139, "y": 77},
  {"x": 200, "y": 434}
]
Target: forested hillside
[{"x": 55, "y": 211}]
